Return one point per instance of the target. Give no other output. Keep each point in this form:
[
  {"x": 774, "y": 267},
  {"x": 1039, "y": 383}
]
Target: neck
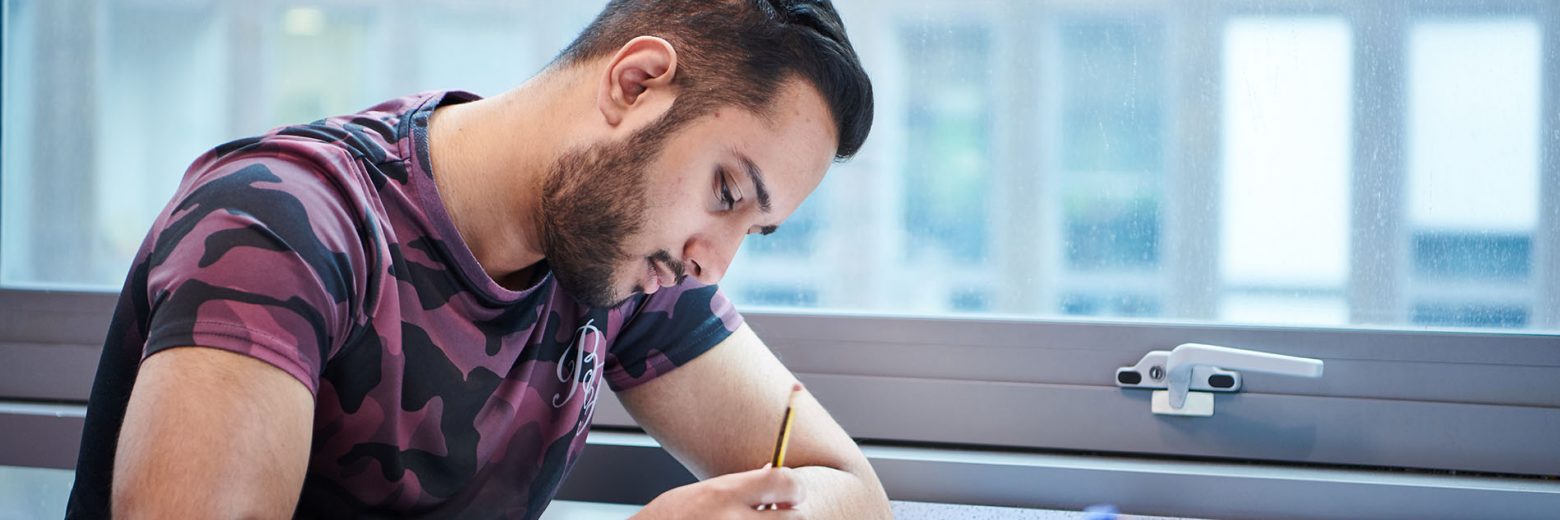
[{"x": 489, "y": 160}]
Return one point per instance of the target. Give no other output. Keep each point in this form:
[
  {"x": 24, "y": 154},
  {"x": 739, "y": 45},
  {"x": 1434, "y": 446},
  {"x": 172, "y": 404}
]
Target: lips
[
  {"x": 660, "y": 276},
  {"x": 660, "y": 272},
  {"x": 654, "y": 282}
]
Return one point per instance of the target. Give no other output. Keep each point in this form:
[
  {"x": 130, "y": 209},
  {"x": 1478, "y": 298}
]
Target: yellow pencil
[{"x": 785, "y": 427}]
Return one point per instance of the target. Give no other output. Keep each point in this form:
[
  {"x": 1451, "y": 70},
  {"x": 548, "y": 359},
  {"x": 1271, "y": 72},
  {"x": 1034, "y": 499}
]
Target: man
[{"x": 409, "y": 311}]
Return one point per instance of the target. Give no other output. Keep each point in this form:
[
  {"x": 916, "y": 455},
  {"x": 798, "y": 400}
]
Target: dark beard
[{"x": 593, "y": 200}]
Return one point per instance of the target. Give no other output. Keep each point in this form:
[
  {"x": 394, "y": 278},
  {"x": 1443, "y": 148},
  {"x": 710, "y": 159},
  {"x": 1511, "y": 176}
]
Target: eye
[{"x": 726, "y": 198}]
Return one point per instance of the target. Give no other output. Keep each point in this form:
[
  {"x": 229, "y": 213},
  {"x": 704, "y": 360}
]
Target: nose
[{"x": 709, "y": 256}]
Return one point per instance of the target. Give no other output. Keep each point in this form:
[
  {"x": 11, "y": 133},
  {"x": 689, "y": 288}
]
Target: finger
[
  {"x": 771, "y": 486},
  {"x": 771, "y": 513}
]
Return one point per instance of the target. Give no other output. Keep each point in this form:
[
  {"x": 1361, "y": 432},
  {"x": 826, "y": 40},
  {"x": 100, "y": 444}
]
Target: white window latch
[{"x": 1183, "y": 378}]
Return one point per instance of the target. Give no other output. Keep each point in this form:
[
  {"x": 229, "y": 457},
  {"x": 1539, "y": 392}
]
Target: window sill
[
  {"x": 628, "y": 467},
  {"x": 620, "y": 463}
]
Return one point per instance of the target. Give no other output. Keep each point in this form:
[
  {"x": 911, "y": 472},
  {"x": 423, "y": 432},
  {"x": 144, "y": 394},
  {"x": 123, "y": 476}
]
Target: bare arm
[
  {"x": 212, "y": 434},
  {"x": 719, "y": 415}
]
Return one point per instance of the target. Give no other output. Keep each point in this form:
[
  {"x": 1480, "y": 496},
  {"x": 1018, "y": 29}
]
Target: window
[
  {"x": 1093, "y": 199},
  {"x": 1109, "y": 159},
  {"x": 1028, "y": 161},
  {"x": 1052, "y": 189},
  {"x": 113, "y": 116}
]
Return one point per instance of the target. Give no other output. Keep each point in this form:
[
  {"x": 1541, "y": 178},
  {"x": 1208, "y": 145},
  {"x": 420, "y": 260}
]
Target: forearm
[{"x": 833, "y": 493}]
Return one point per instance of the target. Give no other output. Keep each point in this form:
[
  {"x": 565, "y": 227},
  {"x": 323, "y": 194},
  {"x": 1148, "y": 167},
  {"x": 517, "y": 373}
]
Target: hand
[{"x": 736, "y": 495}]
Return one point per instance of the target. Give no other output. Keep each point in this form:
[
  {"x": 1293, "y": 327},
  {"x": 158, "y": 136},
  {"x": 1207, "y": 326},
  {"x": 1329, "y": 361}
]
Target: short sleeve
[
  {"x": 257, "y": 257},
  {"x": 667, "y": 330}
]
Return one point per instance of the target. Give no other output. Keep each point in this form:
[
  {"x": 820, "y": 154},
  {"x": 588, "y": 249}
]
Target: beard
[{"x": 593, "y": 201}]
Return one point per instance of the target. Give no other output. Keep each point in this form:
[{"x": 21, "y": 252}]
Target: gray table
[
  {"x": 36, "y": 493},
  {"x": 568, "y": 510}
]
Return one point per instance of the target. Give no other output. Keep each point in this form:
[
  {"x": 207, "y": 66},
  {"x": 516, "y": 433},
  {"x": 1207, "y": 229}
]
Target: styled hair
[{"x": 739, "y": 52}]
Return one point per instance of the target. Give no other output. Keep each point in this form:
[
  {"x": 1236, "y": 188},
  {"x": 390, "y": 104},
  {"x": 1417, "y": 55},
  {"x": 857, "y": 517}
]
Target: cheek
[
  {"x": 676, "y": 207},
  {"x": 664, "y": 194},
  {"x": 669, "y": 227},
  {"x": 653, "y": 233}
]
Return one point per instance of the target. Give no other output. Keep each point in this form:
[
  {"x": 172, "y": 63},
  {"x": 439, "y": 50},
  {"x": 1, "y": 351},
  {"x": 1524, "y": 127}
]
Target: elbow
[
  {"x": 877, "y": 497},
  {"x": 872, "y": 498},
  {"x": 880, "y": 506}
]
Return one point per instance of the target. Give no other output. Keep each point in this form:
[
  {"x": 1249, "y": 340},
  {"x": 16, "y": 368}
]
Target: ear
[{"x": 643, "y": 66}]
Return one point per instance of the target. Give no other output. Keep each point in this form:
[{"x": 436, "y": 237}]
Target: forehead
[
  {"x": 793, "y": 142},
  {"x": 796, "y": 106}
]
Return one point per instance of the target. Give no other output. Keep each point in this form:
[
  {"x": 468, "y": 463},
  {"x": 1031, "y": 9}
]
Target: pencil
[{"x": 784, "y": 439}]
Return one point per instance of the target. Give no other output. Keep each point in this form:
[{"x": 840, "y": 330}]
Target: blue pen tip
[{"x": 1100, "y": 512}]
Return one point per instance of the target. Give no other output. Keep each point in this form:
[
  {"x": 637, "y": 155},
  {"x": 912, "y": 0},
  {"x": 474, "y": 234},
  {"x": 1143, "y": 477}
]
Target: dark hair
[{"x": 738, "y": 52}]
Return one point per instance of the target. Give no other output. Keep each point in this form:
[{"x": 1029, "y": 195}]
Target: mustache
[{"x": 679, "y": 271}]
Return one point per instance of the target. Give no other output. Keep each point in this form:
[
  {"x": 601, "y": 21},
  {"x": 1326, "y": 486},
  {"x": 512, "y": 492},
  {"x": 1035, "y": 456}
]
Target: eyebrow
[{"x": 757, "y": 175}]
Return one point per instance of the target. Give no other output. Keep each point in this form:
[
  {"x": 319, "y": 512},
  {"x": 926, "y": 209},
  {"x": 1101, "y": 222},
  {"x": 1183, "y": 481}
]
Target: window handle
[{"x": 1189, "y": 372}]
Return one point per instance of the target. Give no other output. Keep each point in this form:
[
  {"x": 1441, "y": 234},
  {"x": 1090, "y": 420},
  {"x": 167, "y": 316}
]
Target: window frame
[
  {"x": 631, "y": 468},
  {"x": 1392, "y": 397},
  {"x": 881, "y": 376}
]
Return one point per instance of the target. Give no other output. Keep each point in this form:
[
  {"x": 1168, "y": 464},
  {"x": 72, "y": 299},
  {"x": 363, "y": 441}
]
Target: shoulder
[
  {"x": 369, "y": 147},
  {"x": 266, "y": 203}
]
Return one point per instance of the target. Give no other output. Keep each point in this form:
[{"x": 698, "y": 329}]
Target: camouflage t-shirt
[{"x": 325, "y": 251}]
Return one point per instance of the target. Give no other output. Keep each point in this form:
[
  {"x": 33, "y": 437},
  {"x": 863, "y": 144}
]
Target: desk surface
[
  {"x": 569, "y": 510},
  {"x": 29, "y": 493}
]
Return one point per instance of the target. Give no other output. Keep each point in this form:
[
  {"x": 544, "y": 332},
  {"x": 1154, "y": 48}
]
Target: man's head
[
  {"x": 717, "y": 118},
  {"x": 739, "y": 52}
]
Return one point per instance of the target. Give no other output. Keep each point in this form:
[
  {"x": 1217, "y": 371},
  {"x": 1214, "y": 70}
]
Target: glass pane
[
  {"x": 99, "y": 124},
  {"x": 1110, "y": 126},
  {"x": 1473, "y": 169},
  {"x": 1284, "y": 228},
  {"x": 450, "y": 36},
  {"x": 1142, "y": 160},
  {"x": 1111, "y": 85},
  {"x": 15, "y": 152},
  {"x": 1474, "y": 106},
  {"x": 947, "y": 126},
  {"x": 334, "y": 59},
  {"x": 34, "y": 492},
  {"x": 167, "y": 80}
]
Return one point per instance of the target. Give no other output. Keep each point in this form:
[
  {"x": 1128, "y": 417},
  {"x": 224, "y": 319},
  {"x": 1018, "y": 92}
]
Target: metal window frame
[
  {"x": 1391, "y": 397},
  {"x": 629, "y": 467}
]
